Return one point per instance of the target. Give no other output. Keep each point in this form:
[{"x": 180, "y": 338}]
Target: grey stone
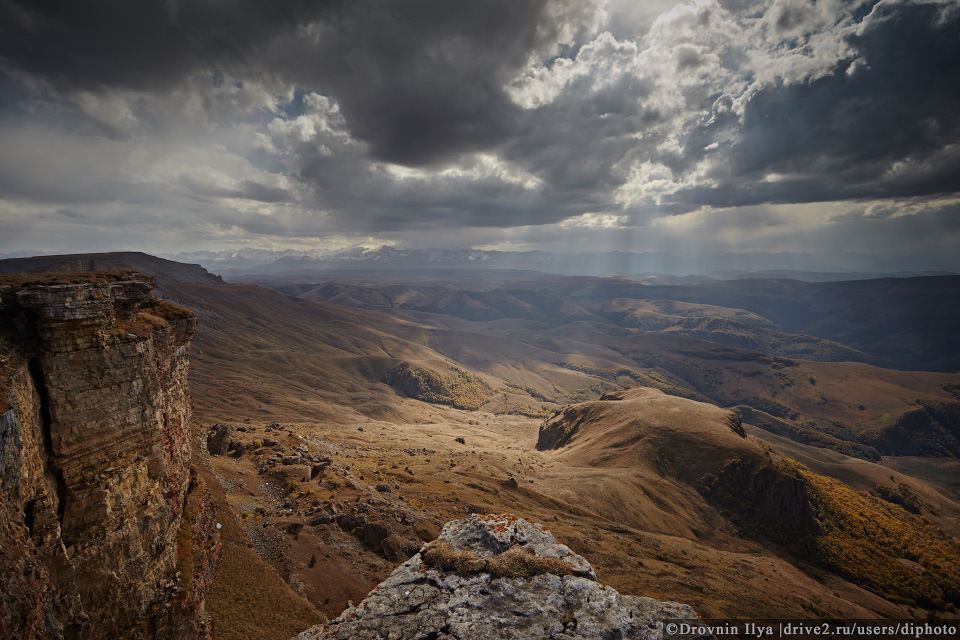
[
  {"x": 218, "y": 440},
  {"x": 420, "y": 601},
  {"x": 488, "y": 535},
  {"x": 320, "y": 519}
]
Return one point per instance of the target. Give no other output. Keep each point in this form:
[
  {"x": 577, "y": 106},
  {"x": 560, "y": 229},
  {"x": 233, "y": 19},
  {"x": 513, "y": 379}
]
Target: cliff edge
[
  {"x": 498, "y": 576},
  {"x": 104, "y": 530}
]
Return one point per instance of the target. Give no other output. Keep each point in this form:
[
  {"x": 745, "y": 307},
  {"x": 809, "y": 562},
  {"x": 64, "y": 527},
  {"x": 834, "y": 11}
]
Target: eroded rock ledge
[
  {"x": 445, "y": 592},
  {"x": 103, "y": 531}
]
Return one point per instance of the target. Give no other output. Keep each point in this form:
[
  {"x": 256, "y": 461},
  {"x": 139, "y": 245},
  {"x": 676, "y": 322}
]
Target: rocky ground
[{"x": 316, "y": 511}]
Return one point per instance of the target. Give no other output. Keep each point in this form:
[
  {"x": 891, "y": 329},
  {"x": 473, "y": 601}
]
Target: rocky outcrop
[
  {"x": 498, "y": 576},
  {"x": 767, "y": 497},
  {"x": 95, "y": 461}
]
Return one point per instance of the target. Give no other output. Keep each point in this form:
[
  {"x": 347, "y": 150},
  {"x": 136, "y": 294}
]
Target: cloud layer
[{"x": 708, "y": 125}]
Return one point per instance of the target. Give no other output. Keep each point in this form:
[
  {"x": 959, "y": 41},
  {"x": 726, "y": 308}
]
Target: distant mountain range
[{"x": 811, "y": 267}]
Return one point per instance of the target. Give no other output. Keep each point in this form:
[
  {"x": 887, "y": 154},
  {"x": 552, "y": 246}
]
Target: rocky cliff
[
  {"x": 498, "y": 576},
  {"x": 104, "y": 531}
]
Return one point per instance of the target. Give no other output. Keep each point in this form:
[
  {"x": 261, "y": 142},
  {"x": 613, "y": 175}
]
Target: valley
[{"x": 348, "y": 421}]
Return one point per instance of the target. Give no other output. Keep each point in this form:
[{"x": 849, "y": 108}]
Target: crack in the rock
[{"x": 60, "y": 485}]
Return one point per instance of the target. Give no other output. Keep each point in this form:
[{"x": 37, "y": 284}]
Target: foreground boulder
[{"x": 497, "y": 576}]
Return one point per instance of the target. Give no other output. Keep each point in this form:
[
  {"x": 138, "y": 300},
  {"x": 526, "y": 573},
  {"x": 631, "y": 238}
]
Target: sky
[{"x": 686, "y": 127}]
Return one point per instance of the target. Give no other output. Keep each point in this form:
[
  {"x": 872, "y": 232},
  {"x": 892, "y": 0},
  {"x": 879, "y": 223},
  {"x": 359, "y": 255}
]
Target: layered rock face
[
  {"x": 498, "y": 576},
  {"x": 95, "y": 461}
]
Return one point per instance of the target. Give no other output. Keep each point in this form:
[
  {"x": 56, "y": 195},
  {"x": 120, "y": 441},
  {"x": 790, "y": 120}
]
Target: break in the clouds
[{"x": 784, "y": 125}]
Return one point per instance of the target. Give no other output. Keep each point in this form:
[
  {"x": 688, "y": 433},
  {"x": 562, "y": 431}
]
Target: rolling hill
[
  {"x": 904, "y": 323},
  {"x": 415, "y": 411}
]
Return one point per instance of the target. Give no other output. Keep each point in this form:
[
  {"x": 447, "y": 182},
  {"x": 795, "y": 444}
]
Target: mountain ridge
[{"x": 726, "y": 265}]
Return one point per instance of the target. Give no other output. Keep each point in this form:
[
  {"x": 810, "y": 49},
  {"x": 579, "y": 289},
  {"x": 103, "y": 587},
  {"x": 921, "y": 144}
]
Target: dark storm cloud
[
  {"x": 582, "y": 147},
  {"x": 147, "y": 45},
  {"x": 414, "y": 119},
  {"x": 880, "y": 125},
  {"x": 371, "y": 201},
  {"x": 420, "y": 80}
]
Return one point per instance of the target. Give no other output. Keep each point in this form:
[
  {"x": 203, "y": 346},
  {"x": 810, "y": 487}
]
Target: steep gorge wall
[{"x": 95, "y": 465}]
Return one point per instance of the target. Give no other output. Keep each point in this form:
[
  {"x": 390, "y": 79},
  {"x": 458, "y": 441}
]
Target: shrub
[
  {"x": 463, "y": 391},
  {"x": 902, "y": 496}
]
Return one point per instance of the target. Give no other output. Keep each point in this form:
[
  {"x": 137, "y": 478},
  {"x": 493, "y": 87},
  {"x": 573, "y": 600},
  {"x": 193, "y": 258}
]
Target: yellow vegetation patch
[
  {"x": 463, "y": 391},
  {"x": 153, "y": 315},
  {"x": 880, "y": 546},
  {"x": 523, "y": 410}
]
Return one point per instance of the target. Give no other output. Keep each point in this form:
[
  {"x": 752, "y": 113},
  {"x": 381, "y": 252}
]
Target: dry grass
[
  {"x": 542, "y": 412},
  {"x": 157, "y": 317},
  {"x": 166, "y": 310},
  {"x": 143, "y": 324},
  {"x": 644, "y": 534},
  {"x": 71, "y": 277},
  {"x": 249, "y": 601},
  {"x": 260, "y": 355},
  {"x": 515, "y": 562}
]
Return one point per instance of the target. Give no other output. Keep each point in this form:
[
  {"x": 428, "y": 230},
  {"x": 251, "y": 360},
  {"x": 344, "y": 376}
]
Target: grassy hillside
[
  {"x": 879, "y": 540},
  {"x": 866, "y": 538},
  {"x": 419, "y": 417},
  {"x": 719, "y": 342}
]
